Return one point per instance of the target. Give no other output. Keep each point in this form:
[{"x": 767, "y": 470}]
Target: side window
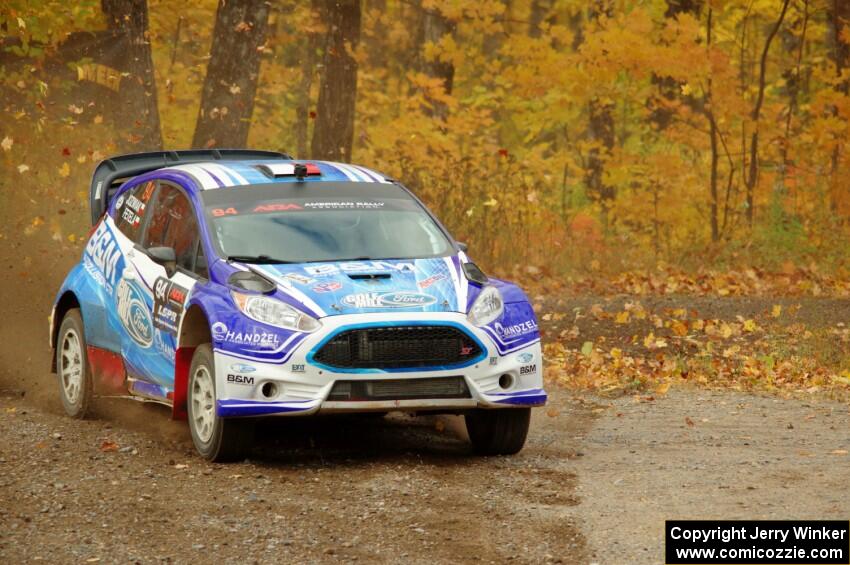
[
  {"x": 131, "y": 207},
  {"x": 201, "y": 262},
  {"x": 173, "y": 224}
]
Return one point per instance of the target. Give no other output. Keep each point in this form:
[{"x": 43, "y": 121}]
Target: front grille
[
  {"x": 400, "y": 389},
  {"x": 398, "y": 347}
]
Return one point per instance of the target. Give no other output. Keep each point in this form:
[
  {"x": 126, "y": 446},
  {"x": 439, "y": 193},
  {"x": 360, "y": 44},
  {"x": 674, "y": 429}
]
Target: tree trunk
[
  {"x": 333, "y": 133},
  {"x": 601, "y": 131},
  {"x": 308, "y": 68},
  {"x": 128, "y": 21},
  {"x": 839, "y": 19},
  {"x": 434, "y": 26},
  {"x": 670, "y": 89},
  {"x": 715, "y": 153},
  {"x": 537, "y": 15},
  {"x": 227, "y": 100},
  {"x": 752, "y": 175}
]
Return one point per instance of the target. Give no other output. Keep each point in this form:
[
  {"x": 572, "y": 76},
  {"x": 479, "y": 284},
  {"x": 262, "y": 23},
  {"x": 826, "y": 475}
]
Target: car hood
[{"x": 353, "y": 287}]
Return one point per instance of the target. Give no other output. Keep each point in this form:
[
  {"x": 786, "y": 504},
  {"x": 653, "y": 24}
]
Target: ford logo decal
[
  {"x": 242, "y": 368},
  {"x": 406, "y": 299},
  {"x": 134, "y": 314},
  {"x": 525, "y": 357}
]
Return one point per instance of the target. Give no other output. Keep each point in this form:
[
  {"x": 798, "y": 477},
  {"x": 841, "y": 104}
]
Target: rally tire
[
  {"x": 215, "y": 438},
  {"x": 498, "y": 432},
  {"x": 72, "y": 366}
]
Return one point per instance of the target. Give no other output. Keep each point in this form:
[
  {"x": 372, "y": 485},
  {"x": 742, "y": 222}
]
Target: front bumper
[{"x": 295, "y": 385}]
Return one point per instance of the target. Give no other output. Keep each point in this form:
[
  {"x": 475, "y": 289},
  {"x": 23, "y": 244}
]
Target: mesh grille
[
  {"x": 398, "y": 347},
  {"x": 400, "y": 389}
]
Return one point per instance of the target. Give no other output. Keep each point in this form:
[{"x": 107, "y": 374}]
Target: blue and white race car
[{"x": 233, "y": 284}]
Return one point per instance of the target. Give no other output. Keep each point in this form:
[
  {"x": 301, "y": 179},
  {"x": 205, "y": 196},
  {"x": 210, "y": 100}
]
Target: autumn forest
[{"x": 559, "y": 134}]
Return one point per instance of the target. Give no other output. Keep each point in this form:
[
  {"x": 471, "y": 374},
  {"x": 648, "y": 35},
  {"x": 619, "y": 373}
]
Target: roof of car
[{"x": 228, "y": 173}]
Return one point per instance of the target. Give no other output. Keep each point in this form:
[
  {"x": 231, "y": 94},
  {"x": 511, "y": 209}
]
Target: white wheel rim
[
  {"x": 203, "y": 404},
  {"x": 71, "y": 366}
]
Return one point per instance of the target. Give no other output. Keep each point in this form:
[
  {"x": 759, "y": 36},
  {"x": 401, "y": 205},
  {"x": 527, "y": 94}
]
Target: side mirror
[
  {"x": 164, "y": 256},
  {"x": 462, "y": 246}
]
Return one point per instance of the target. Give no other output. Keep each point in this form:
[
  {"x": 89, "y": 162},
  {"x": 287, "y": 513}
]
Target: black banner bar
[{"x": 745, "y": 542}]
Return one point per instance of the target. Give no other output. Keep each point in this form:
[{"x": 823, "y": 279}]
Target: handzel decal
[
  {"x": 387, "y": 300},
  {"x": 133, "y": 313},
  {"x": 359, "y": 266},
  {"x": 516, "y": 330},
  {"x": 263, "y": 340},
  {"x": 160, "y": 341},
  {"x": 104, "y": 252}
]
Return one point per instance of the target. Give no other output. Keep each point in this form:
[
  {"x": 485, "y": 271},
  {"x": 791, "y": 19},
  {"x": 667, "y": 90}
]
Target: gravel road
[
  {"x": 594, "y": 484},
  {"x": 332, "y": 490}
]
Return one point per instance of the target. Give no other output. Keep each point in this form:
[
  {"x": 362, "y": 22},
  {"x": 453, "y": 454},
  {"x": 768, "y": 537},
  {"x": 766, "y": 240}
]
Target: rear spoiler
[{"x": 111, "y": 173}]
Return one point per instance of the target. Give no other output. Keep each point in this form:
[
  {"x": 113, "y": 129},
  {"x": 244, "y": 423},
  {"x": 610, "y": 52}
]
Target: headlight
[
  {"x": 274, "y": 312},
  {"x": 487, "y": 307}
]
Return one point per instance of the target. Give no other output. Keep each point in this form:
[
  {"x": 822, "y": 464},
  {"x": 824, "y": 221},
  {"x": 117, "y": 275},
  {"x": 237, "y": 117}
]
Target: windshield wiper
[{"x": 258, "y": 259}]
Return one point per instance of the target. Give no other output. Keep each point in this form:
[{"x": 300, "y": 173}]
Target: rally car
[{"x": 236, "y": 284}]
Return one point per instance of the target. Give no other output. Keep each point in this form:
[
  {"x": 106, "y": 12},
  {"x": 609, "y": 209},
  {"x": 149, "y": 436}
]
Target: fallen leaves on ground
[
  {"x": 676, "y": 346},
  {"x": 108, "y": 446},
  {"x": 791, "y": 280}
]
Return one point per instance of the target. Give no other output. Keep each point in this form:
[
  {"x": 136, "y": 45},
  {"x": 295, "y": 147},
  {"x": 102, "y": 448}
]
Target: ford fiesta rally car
[{"x": 235, "y": 284}]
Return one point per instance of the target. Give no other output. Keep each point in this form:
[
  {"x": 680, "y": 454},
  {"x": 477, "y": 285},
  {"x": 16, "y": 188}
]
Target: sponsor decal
[
  {"x": 133, "y": 211},
  {"x": 240, "y": 379},
  {"x": 339, "y": 205},
  {"x": 525, "y": 357},
  {"x": 494, "y": 360},
  {"x": 387, "y": 300},
  {"x": 133, "y": 313},
  {"x": 431, "y": 280},
  {"x": 219, "y": 212},
  {"x": 298, "y": 368},
  {"x": 163, "y": 346},
  {"x": 516, "y": 330},
  {"x": 404, "y": 299},
  {"x": 528, "y": 369},
  {"x": 277, "y": 207},
  {"x": 242, "y": 368},
  {"x": 358, "y": 266},
  {"x": 103, "y": 251},
  {"x": 119, "y": 202},
  {"x": 264, "y": 340},
  {"x": 300, "y": 279},
  {"x": 168, "y": 300},
  {"x": 327, "y": 286}
]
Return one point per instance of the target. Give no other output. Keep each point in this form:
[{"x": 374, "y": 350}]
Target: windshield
[{"x": 299, "y": 230}]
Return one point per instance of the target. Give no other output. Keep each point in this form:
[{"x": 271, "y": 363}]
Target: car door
[{"x": 171, "y": 223}]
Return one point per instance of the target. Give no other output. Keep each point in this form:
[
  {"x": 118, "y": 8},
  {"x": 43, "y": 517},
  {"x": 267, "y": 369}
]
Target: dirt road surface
[{"x": 594, "y": 484}]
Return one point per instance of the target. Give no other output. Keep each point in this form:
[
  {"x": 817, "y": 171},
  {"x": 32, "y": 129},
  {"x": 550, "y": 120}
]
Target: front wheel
[
  {"x": 72, "y": 365},
  {"x": 215, "y": 438},
  {"x": 498, "y": 431}
]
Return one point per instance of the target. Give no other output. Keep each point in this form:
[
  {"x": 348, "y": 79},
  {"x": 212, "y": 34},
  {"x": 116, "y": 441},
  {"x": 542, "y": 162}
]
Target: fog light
[
  {"x": 269, "y": 390},
  {"x": 506, "y": 381}
]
